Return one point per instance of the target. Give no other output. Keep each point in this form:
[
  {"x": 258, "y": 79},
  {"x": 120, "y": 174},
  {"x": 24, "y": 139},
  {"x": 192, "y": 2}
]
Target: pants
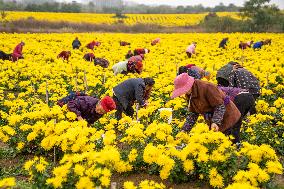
[
  {"x": 245, "y": 103},
  {"x": 235, "y": 131},
  {"x": 129, "y": 111},
  {"x": 188, "y": 54}
]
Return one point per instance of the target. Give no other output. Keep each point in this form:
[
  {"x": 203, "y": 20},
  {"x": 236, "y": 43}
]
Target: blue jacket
[{"x": 257, "y": 45}]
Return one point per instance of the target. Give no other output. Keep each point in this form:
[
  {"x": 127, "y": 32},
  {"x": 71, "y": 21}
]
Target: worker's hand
[
  {"x": 214, "y": 127},
  {"x": 145, "y": 104},
  {"x": 79, "y": 118}
]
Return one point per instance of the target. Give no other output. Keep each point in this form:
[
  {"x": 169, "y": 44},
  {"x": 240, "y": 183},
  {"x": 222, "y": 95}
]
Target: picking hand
[
  {"x": 79, "y": 118},
  {"x": 214, "y": 127}
]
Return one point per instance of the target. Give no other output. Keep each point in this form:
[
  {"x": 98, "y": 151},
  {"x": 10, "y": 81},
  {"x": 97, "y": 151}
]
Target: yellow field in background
[{"x": 159, "y": 19}]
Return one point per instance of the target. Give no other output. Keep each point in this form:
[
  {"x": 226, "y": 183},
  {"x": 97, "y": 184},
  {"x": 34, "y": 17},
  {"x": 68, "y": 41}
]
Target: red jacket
[
  {"x": 18, "y": 51},
  {"x": 139, "y": 51},
  {"x": 64, "y": 55},
  {"x": 93, "y": 44}
]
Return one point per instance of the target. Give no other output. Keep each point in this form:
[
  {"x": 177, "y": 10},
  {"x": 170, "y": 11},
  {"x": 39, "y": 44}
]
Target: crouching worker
[
  {"x": 64, "y": 55},
  {"x": 129, "y": 91},
  {"x": 194, "y": 71},
  {"x": 5, "y": 56},
  {"x": 18, "y": 52},
  {"x": 90, "y": 108},
  {"x": 101, "y": 62},
  {"x": 190, "y": 50},
  {"x": 155, "y": 41},
  {"x": 223, "y": 43},
  {"x": 257, "y": 45},
  {"x": 128, "y": 66},
  {"x": 124, "y": 43},
  {"x": 89, "y": 57},
  {"x": 205, "y": 98},
  {"x": 141, "y": 51},
  {"x": 93, "y": 44},
  {"x": 243, "y": 45}
]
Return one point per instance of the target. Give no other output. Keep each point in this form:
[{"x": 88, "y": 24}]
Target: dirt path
[{"x": 136, "y": 178}]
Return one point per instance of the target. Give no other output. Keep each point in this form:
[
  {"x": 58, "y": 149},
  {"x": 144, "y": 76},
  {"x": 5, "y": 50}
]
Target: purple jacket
[
  {"x": 85, "y": 106},
  {"x": 232, "y": 92}
]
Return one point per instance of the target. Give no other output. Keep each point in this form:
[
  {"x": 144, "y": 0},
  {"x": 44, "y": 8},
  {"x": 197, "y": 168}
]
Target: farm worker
[
  {"x": 120, "y": 67},
  {"x": 191, "y": 49},
  {"x": 245, "y": 103},
  {"x": 5, "y": 56},
  {"x": 93, "y": 44},
  {"x": 64, "y": 55},
  {"x": 250, "y": 43},
  {"x": 155, "y": 41},
  {"x": 257, "y": 45},
  {"x": 76, "y": 43},
  {"x": 128, "y": 66},
  {"x": 17, "y": 53},
  {"x": 89, "y": 57},
  {"x": 137, "y": 58},
  {"x": 224, "y": 72},
  {"x": 244, "y": 79},
  {"x": 141, "y": 51},
  {"x": 90, "y": 108},
  {"x": 124, "y": 43},
  {"x": 234, "y": 75},
  {"x": 267, "y": 42},
  {"x": 205, "y": 98},
  {"x": 129, "y": 91},
  {"x": 243, "y": 45},
  {"x": 129, "y": 54},
  {"x": 223, "y": 43},
  {"x": 194, "y": 71},
  {"x": 101, "y": 62}
]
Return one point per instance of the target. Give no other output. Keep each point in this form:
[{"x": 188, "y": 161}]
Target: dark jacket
[
  {"x": 130, "y": 91},
  {"x": 85, "y": 106},
  {"x": 101, "y": 62},
  {"x": 89, "y": 56},
  {"x": 225, "y": 71},
  {"x": 223, "y": 43},
  {"x": 5, "y": 56},
  {"x": 76, "y": 44},
  {"x": 244, "y": 79},
  {"x": 205, "y": 97}
]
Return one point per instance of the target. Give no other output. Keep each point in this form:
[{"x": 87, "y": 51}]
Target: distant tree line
[
  {"x": 258, "y": 16},
  {"x": 40, "y": 6},
  {"x": 53, "y": 6}
]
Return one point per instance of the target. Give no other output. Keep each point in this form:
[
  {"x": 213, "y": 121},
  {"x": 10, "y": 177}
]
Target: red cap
[
  {"x": 92, "y": 55},
  {"x": 108, "y": 104},
  {"x": 189, "y": 66}
]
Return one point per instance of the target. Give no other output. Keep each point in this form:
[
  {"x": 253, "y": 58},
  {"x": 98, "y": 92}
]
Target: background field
[{"x": 132, "y": 19}]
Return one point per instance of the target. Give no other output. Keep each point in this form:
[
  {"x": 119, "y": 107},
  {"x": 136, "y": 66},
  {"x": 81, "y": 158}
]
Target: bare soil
[
  {"x": 44, "y": 26},
  {"x": 138, "y": 177}
]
